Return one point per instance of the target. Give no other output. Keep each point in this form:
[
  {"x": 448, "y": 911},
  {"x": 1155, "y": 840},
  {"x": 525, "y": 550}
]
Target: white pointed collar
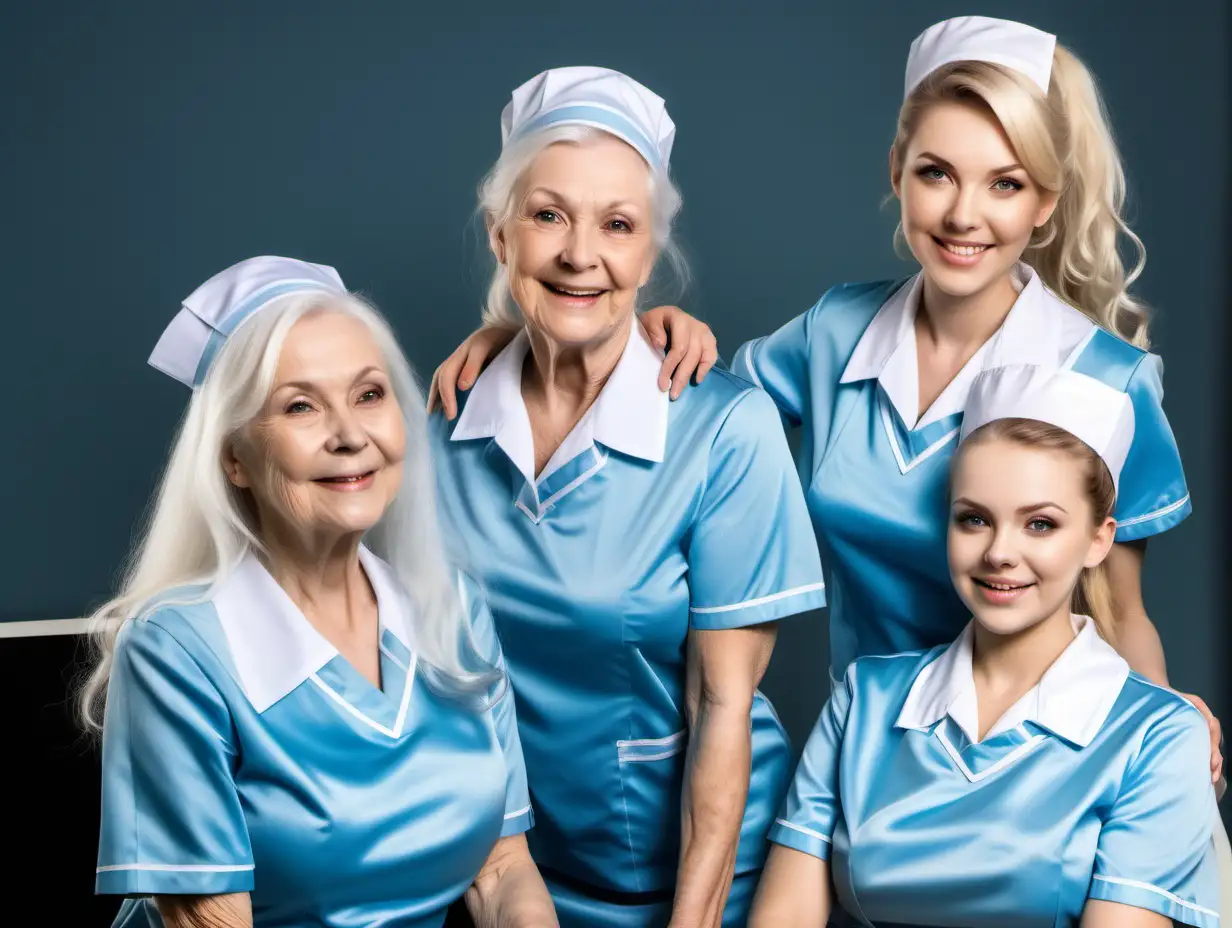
[
  {"x": 1072, "y": 699},
  {"x": 629, "y": 415},
  {"x": 273, "y": 646},
  {"x": 1034, "y": 332}
]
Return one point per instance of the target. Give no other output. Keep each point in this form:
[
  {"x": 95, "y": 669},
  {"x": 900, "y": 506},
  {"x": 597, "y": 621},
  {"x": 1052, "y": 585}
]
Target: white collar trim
[
  {"x": 1072, "y": 699},
  {"x": 273, "y": 646},
  {"x": 629, "y": 415},
  {"x": 1032, "y": 333}
]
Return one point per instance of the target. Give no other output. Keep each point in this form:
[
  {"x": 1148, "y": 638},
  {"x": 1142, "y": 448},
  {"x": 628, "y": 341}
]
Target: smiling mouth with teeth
[
  {"x": 565, "y": 291},
  {"x": 966, "y": 251},
  {"x": 350, "y": 478},
  {"x": 1002, "y": 587}
]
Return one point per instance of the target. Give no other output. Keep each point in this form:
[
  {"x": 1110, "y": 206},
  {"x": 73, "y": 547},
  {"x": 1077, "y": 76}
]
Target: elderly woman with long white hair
[
  {"x": 306, "y": 719},
  {"x": 636, "y": 552}
]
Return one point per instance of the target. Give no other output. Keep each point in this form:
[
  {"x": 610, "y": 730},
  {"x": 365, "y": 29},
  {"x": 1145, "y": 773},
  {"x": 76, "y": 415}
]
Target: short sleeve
[
  {"x": 518, "y": 814},
  {"x": 779, "y": 364},
  {"x": 811, "y": 808},
  {"x": 1152, "y": 495},
  {"x": 752, "y": 554},
  {"x": 172, "y": 822},
  {"x": 1155, "y": 850}
]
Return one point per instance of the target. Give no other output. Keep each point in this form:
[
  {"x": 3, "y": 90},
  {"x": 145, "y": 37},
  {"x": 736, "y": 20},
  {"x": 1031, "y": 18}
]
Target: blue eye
[
  {"x": 299, "y": 406},
  {"x": 931, "y": 173},
  {"x": 547, "y": 215},
  {"x": 970, "y": 520},
  {"x": 1040, "y": 525}
]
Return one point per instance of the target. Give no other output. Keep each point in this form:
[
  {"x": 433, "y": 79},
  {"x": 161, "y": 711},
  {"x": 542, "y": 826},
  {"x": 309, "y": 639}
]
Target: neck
[
  {"x": 1016, "y": 662},
  {"x": 964, "y": 321},
  {"x": 321, "y": 574},
  {"x": 567, "y": 378}
]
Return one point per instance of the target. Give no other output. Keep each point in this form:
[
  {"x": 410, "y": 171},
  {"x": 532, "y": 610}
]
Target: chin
[
  {"x": 579, "y": 327},
  {"x": 1007, "y": 621}
]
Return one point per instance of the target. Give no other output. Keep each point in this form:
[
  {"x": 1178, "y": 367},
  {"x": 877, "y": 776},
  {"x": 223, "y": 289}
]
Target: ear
[
  {"x": 896, "y": 175},
  {"x": 1102, "y": 543},
  {"x": 496, "y": 242},
  {"x": 1048, "y": 205},
  {"x": 233, "y": 468}
]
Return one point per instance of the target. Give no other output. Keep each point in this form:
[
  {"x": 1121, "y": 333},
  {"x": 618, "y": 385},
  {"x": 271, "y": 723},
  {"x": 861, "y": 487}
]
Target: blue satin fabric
[
  {"x": 877, "y": 488},
  {"x": 339, "y": 805},
  {"x": 594, "y": 595},
  {"x": 1017, "y": 830}
]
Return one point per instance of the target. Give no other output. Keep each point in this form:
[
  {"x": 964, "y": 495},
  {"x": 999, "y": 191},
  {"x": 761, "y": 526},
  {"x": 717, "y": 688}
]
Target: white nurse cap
[
  {"x": 981, "y": 38},
  {"x": 1101, "y": 416},
  {"x": 224, "y": 302},
  {"x": 596, "y": 97}
]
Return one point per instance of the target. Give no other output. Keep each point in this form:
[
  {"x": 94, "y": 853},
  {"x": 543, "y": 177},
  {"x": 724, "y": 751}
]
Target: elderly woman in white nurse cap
[
  {"x": 636, "y": 552},
  {"x": 307, "y": 719}
]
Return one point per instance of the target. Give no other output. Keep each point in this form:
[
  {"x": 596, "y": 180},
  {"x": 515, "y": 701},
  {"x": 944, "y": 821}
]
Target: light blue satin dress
[
  {"x": 1095, "y": 785},
  {"x": 243, "y": 754},
  {"x": 876, "y": 475},
  {"x": 652, "y": 519}
]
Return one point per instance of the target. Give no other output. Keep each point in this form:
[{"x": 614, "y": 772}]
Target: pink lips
[
  {"x": 1001, "y": 597},
  {"x": 958, "y": 260},
  {"x": 347, "y": 484}
]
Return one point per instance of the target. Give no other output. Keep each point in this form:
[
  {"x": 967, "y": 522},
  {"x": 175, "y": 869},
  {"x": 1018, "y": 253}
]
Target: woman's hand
[
  {"x": 694, "y": 349},
  {"x": 1216, "y": 740},
  {"x": 460, "y": 370}
]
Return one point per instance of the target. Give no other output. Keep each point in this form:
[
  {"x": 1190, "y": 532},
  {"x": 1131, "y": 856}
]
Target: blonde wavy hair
[{"x": 1065, "y": 144}]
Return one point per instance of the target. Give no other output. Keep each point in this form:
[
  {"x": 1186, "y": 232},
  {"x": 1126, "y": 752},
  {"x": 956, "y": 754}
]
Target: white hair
[
  {"x": 200, "y": 526},
  {"x": 498, "y": 201}
]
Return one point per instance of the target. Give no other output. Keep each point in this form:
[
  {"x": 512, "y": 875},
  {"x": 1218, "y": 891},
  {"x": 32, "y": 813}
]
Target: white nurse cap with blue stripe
[
  {"x": 596, "y": 97},
  {"x": 1019, "y": 47},
  {"x": 223, "y": 303},
  {"x": 1100, "y": 416}
]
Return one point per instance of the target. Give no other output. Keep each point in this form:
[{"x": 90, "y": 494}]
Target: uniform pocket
[{"x": 651, "y": 778}]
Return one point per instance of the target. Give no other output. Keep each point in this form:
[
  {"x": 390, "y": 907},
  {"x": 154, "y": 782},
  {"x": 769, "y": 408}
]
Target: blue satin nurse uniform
[
  {"x": 652, "y": 518},
  {"x": 243, "y": 754},
  {"x": 876, "y": 473},
  {"x": 1095, "y": 785}
]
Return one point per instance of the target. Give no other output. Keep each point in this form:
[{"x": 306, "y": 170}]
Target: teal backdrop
[{"x": 145, "y": 146}]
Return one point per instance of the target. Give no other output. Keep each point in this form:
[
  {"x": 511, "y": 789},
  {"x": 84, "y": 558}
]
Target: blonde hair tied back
[{"x": 1065, "y": 143}]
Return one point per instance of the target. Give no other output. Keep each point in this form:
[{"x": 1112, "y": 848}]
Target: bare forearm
[
  {"x": 715, "y": 791},
  {"x": 509, "y": 892},
  {"x": 1138, "y": 642}
]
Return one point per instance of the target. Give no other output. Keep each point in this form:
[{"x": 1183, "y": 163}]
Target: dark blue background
[{"x": 144, "y": 147}]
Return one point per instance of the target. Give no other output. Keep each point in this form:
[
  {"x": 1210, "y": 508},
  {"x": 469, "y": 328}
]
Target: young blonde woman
[
  {"x": 1023, "y": 774},
  {"x": 1011, "y": 191}
]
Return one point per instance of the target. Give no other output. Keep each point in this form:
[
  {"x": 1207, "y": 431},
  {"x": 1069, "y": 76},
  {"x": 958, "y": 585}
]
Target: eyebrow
[
  {"x": 1021, "y": 510},
  {"x": 941, "y": 162},
  {"x": 560, "y": 197},
  {"x": 307, "y": 387}
]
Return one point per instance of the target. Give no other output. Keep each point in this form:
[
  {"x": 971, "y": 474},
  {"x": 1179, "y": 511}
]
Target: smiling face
[
  {"x": 579, "y": 245},
  {"x": 324, "y": 455},
  {"x": 1022, "y": 528},
  {"x": 968, "y": 205}
]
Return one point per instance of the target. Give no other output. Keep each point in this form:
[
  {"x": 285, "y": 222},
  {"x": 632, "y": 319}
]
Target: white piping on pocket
[{"x": 646, "y": 749}]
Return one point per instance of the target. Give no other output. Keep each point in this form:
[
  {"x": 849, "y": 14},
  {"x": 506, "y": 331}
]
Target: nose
[
  {"x": 963, "y": 211},
  {"x": 1001, "y": 550},
  {"x": 581, "y": 251},
  {"x": 347, "y": 434}
]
